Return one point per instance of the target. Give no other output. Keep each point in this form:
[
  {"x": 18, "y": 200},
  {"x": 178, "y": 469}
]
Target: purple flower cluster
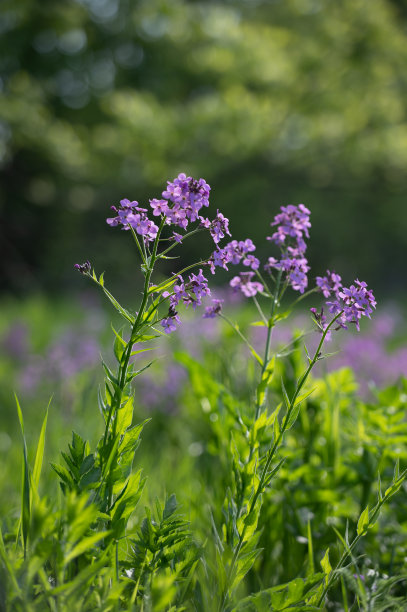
[
  {"x": 84, "y": 268},
  {"x": 245, "y": 284},
  {"x": 215, "y": 309},
  {"x": 130, "y": 214},
  {"x": 295, "y": 265},
  {"x": 351, "y": 303},
  {"x": 292, "y": 225},
  {"x": 331, "y": 283},
  {"x": 190, "y": 292},
  {"x": 218, "y": 228},
  {"x": 234, "y": 252},
  {"x": 184, "y": 198}
]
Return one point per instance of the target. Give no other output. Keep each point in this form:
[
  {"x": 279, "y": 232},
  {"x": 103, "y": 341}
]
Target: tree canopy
[{"x": 272, "y": 102}]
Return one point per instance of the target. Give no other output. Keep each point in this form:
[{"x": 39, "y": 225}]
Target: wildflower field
[{"x": 231, "y": 439}]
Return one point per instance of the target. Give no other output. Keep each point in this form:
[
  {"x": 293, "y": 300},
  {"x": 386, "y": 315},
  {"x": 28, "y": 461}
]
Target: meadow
[{"x": 240, "y": 447}]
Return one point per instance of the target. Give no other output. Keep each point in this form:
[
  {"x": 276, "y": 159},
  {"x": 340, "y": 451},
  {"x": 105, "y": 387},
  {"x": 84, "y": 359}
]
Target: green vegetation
[{"x": 274, "y": 102}]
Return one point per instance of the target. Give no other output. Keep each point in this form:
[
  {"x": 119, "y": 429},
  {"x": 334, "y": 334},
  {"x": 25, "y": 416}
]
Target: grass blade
[
  {"x": 25, "y": 489},
  {"x": 39, "y": 455}
]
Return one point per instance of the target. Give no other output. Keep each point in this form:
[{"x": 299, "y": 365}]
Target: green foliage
[
  {"x": 298, "y": 98},
  {"x": 164, "y": 557},
  {"x": 292, "y": 596},
  {"x": 282, "y": 480}
]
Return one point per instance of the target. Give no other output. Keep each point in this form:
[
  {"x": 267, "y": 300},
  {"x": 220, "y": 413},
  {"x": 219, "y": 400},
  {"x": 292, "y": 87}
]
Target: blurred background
[{"x": 272, "y": 102}]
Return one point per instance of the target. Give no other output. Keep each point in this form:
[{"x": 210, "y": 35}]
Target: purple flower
[
  {"x": 177, "y": 237},
  {"x": 130, "y": 214},
  {"x": 245, "y": 284},
  {"x": 295, "y": 267},
  {"x": 252, "y": 262},
  {"x": 353, "y": 302},
  {"x": 170, "y": 323},
  {"x": 321, "y": 321},
  {"x": 160, "y": 207},
  {"x": 84, "y": 268},
  {"x": 332, "y": 282},
  {"x": 233, "y": 253},
  {"x": 187, "y": 195},
  {"x": 212, "y": 311},
  {"x": 198, "y": 284},
  {"x": 218, "y": 228},
  {"x": 292, "y": 224}
]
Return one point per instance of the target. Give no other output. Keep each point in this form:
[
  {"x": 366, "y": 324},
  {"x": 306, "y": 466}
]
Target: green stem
[
  {"x": 123, "y": 367},
  {"x": 261, "y": 313},
  {"x": 271, "y": 453},
  {"x": 239, "y": 333},
  {"x": 195, "y": 231},
  {"x": 348, "y": 550},
  {"x": 270, "y": 325}
]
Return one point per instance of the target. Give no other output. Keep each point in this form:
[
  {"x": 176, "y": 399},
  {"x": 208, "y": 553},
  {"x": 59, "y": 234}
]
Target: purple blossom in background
[
  {"x": 364, "y": 351},
  {"x": 16, "y": 344},
  {"x": 66, "y": 357},
  {"x": 244, "y": 283},
  {"x": 162, "y": 394}
]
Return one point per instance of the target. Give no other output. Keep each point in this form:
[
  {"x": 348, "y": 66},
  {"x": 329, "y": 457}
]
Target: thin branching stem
[{"x": 270, "y": 456}]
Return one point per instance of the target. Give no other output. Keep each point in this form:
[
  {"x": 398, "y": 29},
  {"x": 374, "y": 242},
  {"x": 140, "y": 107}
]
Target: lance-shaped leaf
[
  {"x": 363, "y": 522},
  {"x": 39, "y": 455},
  {"x": 86, "y": 544},
  {"x": 120, "y": 345},
  {"x": 25, "y": 489},
  {"x": 265, "y": 381}
]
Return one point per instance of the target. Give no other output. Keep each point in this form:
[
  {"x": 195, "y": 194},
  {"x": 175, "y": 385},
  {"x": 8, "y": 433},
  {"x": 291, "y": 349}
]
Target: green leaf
[
  {"x": 131, "y": 439},
  {"x": 133, "y": 353},
  {"x": 285, "y": 395},
  {"x": 90, "y": 477},
  {"x": 265, "y": 381},
  {"x": 326, "y": 566},
  {"x": 170, "y": 507},
  {"x": 76, "y": 586},
  {"x": 119, "y": 346},
  {"x": 63, "y": 473},
  {"x": 39, "y": 455},
  {"x": 87, "y": 464},
  {"x": 84, "y": 545},
  {"x": 112, "y": 378},
  {"x": 25, "y": 489},
  {"x": 138, "y": 372},
  {"x": 124, "y": 415},
  {"x": 244, "y": 564},
  {"x": 363, "y": 522}
]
